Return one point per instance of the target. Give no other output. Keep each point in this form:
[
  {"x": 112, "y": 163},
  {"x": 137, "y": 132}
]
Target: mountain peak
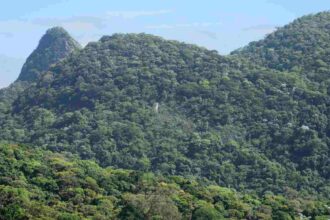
[
  {"x": 55, "y": 45},
  {"x": 56, "y": 29}
]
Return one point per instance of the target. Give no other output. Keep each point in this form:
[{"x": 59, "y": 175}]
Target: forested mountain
[{"x": 143, "y": 103}]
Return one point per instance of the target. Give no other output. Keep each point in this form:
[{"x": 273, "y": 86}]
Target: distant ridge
[{"x": 302, "y": 46}]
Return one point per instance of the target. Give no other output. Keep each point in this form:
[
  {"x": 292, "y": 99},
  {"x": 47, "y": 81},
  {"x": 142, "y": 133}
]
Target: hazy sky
[{"x": 223, "y": 25}]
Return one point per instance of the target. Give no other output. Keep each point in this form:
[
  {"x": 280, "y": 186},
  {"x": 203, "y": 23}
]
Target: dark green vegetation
[
  {"x": 256, "y": 121},
  {"x": 39, "y": 184}
]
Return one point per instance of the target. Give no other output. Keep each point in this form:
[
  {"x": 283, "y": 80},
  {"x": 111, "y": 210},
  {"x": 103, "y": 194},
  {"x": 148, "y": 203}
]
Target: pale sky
[{"x": 223, "y": 25}]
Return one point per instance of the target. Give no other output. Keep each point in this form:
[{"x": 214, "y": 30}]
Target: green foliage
[{"x": 39, "y": 184}]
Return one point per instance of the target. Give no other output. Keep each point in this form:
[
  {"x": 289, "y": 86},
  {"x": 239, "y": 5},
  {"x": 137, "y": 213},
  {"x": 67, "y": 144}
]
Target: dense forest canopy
[
  {"x": 256, "y": 121},
  {"x": 39, "y": 184}
]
